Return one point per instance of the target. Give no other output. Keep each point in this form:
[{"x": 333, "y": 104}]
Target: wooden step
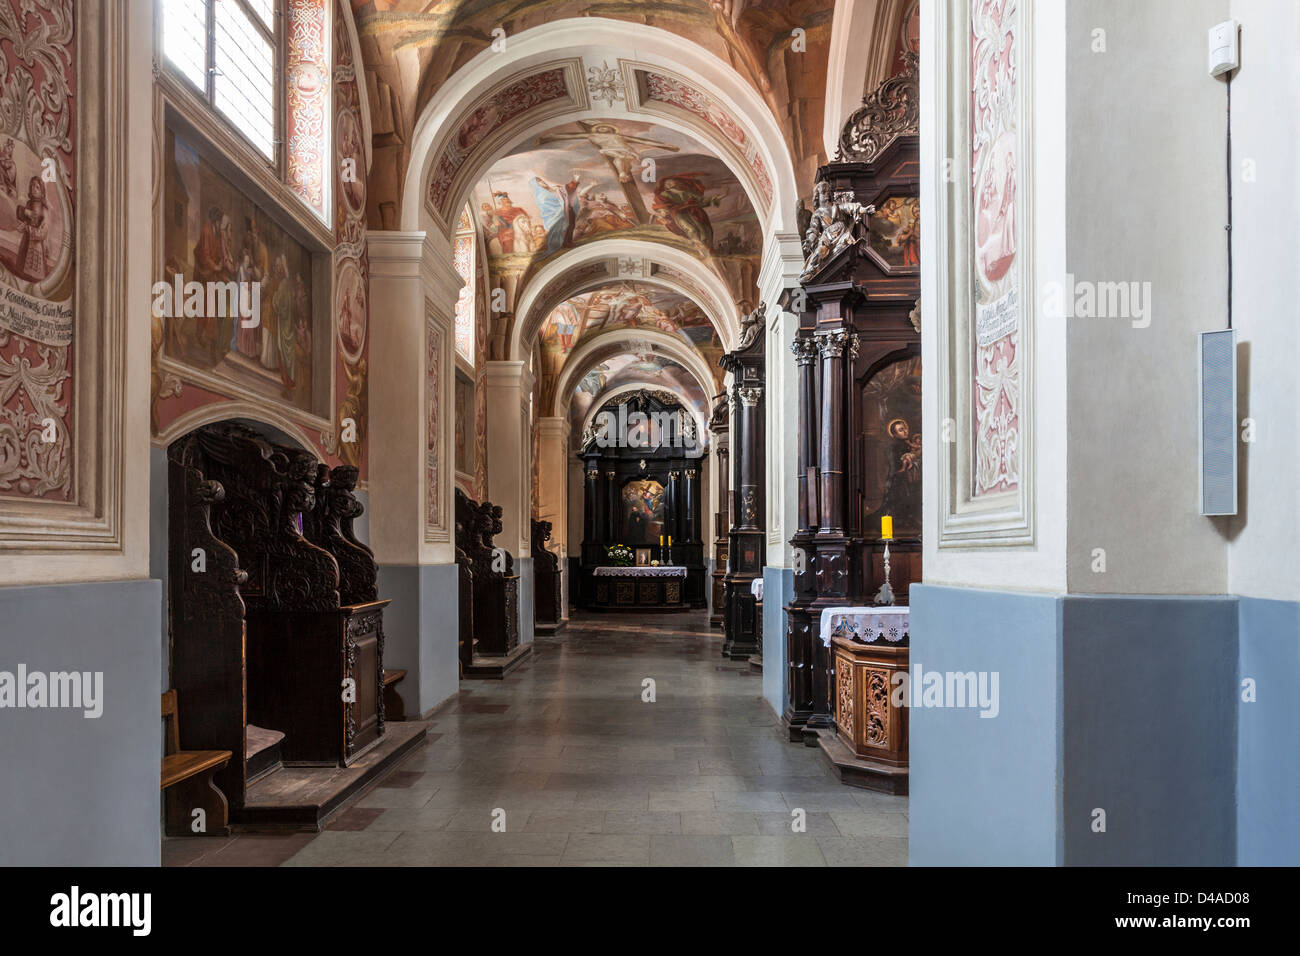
[{"x": 261, "y": 751}]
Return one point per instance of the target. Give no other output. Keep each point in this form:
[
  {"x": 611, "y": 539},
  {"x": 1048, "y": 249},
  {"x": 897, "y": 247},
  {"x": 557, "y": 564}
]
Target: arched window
[
  {"x": 229, "y": 51},
  {"x": 464, "y": 254}
]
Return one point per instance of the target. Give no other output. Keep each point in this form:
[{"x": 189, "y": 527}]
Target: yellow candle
[
  {"x": 887, "y": 527},
  {"x": 670, "y": 541},
  {"x": 661, "y": 541}
]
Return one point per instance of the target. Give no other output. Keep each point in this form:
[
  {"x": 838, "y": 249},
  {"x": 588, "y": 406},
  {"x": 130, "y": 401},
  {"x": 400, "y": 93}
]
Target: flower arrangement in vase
[{"x": 620, "y": 555}]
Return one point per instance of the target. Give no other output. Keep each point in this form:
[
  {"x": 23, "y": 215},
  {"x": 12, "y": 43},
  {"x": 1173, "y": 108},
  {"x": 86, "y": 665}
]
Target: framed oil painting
[
  {"x": 891, "y": 432},
  {"x": 643, "y": 511},
  {"x": 213, "y": 233}
]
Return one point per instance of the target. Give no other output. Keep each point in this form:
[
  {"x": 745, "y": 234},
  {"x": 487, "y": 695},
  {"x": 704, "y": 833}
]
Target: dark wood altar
[
  {"x": 277, "y": 639},
  {"x": 642, "y": 463},
  {"x": 489, "y": 593},
  {"x": 858, "y": 358}
]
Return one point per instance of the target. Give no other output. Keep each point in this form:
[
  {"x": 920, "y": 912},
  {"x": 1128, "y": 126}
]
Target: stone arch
[
  {"x": 562, "y": 44},
  {"x": 546, "y": 289},
  {"x": 251, "y": 412},
  {"x": 601, "y": 346},
  {"x": 606, "y": 397}
]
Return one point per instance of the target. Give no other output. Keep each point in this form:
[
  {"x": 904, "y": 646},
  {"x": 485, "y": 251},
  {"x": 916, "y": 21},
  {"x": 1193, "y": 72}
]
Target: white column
[
  {"x": 413, "y": 291},
  {"x": 553, "y": 478},
  {"x": 410, "y": 287},
  {"x": 553, "y": 490},
  {"x": 509, "y": 389},
  {"x": 781, "y": 266}
]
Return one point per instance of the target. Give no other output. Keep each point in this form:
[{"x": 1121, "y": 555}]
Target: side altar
[{"x": 642, "y": 588}]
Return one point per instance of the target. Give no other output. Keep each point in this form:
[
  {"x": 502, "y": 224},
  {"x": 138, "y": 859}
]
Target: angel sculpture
[{"x": 833, "y": 228}]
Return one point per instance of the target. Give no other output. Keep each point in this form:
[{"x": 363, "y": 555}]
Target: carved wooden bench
[{"x": 187, "y": 782}]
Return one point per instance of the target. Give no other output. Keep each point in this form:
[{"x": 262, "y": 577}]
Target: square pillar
[{"x": 413, "y": 291}]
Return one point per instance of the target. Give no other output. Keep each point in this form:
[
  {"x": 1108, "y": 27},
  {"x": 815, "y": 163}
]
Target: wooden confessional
[
  {"x": 277, "y": 639},
  {"x": 858, "y": 358}
]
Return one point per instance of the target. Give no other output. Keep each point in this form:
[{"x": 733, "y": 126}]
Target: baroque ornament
[
  {"x": 36, "y": 325},
  {"x": 605, "y": 84},
  {"x": 891, "y": 110}
]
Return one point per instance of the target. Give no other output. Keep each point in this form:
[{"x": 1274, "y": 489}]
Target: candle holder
[{"x": 885, "y": 596}]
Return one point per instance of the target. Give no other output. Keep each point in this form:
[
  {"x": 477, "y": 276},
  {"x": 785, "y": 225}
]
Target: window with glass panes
[{"x": 229, "y": 51}]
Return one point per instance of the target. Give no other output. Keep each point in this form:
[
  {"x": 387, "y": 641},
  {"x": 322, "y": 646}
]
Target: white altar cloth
[
  {"x": 642, "y": 571},
  {"x": 868, "y": 625}
]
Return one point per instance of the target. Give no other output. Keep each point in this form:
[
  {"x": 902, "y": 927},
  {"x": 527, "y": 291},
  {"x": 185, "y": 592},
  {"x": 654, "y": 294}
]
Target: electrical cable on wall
[{"x": 1228, "y": 227}]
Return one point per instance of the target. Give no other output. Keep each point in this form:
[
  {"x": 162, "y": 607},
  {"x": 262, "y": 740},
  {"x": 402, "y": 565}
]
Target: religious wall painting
[
  {"x": 891, "y": 423},
  {"x": 433, "y": 403},
  {"x": 895, "y": 233},
  {"x": 37, "y": 256},
  {"x": 909, "y": 35},
  {"x": 642, "y": 511},
  {"x": 214, "y": 233},
  {"x": 624, "y": 305},
  {"x": 682, "y": 95},
  {"x": 350, "y": 300},
  {"x": 995, "y": 395},
  {"x": 352, "y": 160},
  {"x": 627, "y": 370},
  {"x": 508, "y": 103},
  {"x": 463, "y": 261},
  {"x": 464, "y": 441}
]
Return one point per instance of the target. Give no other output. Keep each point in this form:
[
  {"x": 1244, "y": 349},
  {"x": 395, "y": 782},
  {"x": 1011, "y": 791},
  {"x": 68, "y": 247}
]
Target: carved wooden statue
[{"x": 547, "y": 589}]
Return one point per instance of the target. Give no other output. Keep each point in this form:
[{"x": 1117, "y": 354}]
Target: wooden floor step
[{"x": 261, "y": 751}]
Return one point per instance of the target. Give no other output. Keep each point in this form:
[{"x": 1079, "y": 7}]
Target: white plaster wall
[
  {"x": 1264, "y": 536},
  {"x": 1145, "y": 202},
  {"x": 1042, "y": 566}
]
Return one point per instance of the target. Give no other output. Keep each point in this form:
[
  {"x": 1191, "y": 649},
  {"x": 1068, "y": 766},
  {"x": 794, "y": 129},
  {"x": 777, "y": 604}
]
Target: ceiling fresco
[
  {"x": 650, "y": 368},
  {"x": 586, "y": 181},
  {"x": 625, "y": 305},
  {"x": 412, "y": 47}
]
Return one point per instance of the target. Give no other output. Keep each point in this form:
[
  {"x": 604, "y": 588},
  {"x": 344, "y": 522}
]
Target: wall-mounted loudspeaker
[{"x": 1218, "y": 425}]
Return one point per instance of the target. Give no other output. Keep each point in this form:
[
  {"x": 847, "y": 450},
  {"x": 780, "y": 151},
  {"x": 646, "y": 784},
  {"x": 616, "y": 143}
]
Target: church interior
[{"x": 711, "y": 341}]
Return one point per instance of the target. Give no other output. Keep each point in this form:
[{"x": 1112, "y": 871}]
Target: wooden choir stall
[
  {"x": 548, "y": 593},
  {"x": 858, "y": 359},
  {"x": 489, "y": 594},
  {"x": 642, "y": 466},
  {"x": 276, "y": 627}
]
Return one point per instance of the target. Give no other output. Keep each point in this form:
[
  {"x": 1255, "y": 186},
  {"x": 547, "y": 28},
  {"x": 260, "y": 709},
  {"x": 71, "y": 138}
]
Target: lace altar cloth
[
  {"x": 867, "y": 625},
  {"x": 642, "y": 571}
]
